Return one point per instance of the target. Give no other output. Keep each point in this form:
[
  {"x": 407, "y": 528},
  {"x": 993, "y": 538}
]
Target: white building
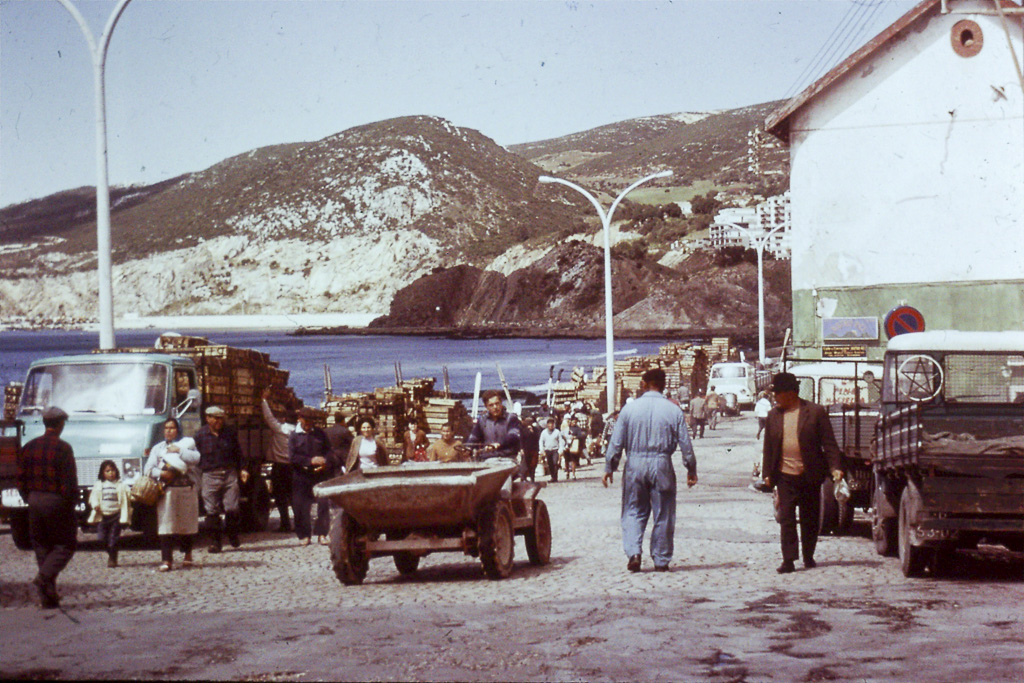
[
  {"x": 735, "y": 227},
  {"x": 907, "y": 176}
]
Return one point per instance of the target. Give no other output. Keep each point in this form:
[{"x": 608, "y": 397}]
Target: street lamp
[
  {"x": 606, "y": 222},
  {"x": 99, "y": 59},
  {"x": 759, "y": 238}
]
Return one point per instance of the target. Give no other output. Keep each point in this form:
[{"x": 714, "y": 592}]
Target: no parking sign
[{"x": 903, "y": 319}]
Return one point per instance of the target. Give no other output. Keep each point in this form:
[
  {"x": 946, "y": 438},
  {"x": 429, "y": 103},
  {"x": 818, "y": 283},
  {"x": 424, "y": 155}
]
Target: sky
[{"x": 190, "y": 83}]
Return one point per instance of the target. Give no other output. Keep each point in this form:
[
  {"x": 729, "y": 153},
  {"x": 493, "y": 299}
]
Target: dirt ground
[{"x": 272, "y": 610}]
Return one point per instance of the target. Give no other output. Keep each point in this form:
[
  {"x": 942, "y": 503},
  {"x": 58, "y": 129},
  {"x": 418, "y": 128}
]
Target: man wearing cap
[
  {"x": 799, "y": 451},
  {"x": 649, "y": 430},
  {"x": 48, "y": 482},
  {"x": 308, "y": 448},
  {"x": 221, "y": 463}
]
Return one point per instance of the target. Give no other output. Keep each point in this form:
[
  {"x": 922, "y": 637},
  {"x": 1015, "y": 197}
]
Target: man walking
[
  {"x": 529, "y": 438},
  {"x": 552, "y": 443},
  {"x": 220, "y": 460},
  {"x": 48, "y": 482},
  {"x": 799, "y": 451},
  {"x": 698, "y": 414},
  {"x": 649, "y": 430}
]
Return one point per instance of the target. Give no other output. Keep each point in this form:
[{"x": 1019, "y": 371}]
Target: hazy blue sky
[{"x": 192, "y": 82}]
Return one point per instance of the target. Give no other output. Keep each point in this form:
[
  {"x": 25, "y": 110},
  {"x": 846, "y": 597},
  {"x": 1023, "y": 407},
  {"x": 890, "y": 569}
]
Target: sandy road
[{"x": 274, "y": 611}]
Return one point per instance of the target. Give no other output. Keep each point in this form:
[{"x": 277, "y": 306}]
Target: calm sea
[{"x": 357, "y": 363}]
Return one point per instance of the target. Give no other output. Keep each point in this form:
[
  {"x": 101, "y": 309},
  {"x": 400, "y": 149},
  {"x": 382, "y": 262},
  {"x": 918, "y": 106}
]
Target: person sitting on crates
[{"x": 496, "y": 434}]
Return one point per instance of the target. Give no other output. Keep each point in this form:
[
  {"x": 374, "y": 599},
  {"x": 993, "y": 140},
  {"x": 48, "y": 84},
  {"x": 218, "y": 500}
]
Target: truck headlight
[{"x": 130, "y": 469}]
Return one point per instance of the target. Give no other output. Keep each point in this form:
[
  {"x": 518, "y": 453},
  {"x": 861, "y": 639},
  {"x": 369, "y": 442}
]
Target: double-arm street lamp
[
  {"x": 99, "y": 59},
  {"x": 606, "y": 222},
  {"x": 759, "y": 239}
]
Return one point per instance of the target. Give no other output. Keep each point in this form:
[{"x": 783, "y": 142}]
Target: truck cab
[
  {"x": 739, "y": 380},
  {"x": 116, "y": 405},
  {"x": 949, "y": 464}
]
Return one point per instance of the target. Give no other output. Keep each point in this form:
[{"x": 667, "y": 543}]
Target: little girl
[{"x": 110, "y": 508}]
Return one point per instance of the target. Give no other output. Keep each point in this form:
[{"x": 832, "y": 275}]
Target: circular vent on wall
[{"x": 966, "y": 38}]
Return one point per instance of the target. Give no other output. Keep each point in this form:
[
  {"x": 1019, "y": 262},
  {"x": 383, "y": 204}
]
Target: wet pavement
[{"x": 272, "y": 610}]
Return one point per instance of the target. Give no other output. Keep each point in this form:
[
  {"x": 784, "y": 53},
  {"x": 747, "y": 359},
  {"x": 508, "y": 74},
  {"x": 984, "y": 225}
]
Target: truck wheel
[
  {"x": 347, "y": 558},
  {"x": 883, "y": 533},
  {"x": 497, "y": 540},
  {"x": 405, "y": 562},
  {"x": 913, "y": 559},
  {"x": 538, "y": 537},
  {"x": 829, "y": 514},
  {"x": 19, "y": 530}
]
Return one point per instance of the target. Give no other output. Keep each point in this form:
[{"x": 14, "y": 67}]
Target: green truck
[{"x": 117, "y": 404}]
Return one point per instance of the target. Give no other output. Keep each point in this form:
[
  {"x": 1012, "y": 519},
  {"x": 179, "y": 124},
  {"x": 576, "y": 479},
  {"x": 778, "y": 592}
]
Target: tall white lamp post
[
  {"x": 99, "y": 59},
  {"x": 606, "y": 222},
  {"x": 759, "y": 239}
]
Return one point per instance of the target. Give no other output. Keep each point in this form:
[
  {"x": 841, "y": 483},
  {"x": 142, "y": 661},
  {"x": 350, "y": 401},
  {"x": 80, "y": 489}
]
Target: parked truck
[
  {"x": 949, "y": 462},
  {"x": 738, "y": 384},
  {"x": 117, "y": 404}
]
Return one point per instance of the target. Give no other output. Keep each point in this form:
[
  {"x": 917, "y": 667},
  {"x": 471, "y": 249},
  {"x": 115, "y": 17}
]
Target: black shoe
[
  {"x": 48, "y": 597},
  {"x": 233, "y": 540},
  {"x": 634, "y": 563},
  {"x": 810, "y": 563},
  {"x": 786, "y": 567},
  {"x": 661, "y": 567},
  {"x": 214, "y": 548}
]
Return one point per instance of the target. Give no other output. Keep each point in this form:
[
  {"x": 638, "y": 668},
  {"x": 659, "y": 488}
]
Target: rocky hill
[
  {"x": 563, "y": 292},
  {"x": 344, "y": 223}
]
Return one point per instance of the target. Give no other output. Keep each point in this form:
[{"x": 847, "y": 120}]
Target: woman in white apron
[{"x": 172, "y": 461}]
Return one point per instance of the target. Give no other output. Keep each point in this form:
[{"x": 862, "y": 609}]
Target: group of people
[{"x": 799, "y": 452}]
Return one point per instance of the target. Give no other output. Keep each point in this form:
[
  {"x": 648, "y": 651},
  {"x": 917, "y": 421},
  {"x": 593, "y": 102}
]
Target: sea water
[{"x": 358, "y": 362}]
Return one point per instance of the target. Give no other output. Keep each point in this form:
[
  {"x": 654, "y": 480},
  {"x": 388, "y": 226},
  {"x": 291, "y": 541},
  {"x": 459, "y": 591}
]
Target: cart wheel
[
  {"x": 348, "y": 559},
  {"x": 497, "y": 540},
  {"x": 405, "y": 562},
  {"x": 913, "y": 559},
  {"x": 538, "y": 538}
]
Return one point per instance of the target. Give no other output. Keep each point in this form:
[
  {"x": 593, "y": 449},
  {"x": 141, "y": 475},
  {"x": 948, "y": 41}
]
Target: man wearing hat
[
  {"x": 48, "y": 482},
  {"x": 308, "y": 448},
  {"x": 800, "y": 450},
  {"x": 220, "y": 461}
]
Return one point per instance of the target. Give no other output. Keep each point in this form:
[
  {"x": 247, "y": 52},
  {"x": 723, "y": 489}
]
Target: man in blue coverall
[{"x": 649, "y": 430}]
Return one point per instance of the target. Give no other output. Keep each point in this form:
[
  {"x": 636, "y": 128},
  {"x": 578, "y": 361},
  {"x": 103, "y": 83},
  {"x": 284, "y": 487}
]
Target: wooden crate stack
[
  {"x": 438, "y": 411},
  {"x": 351, "y": 406},
  {"x": 719, "y": 350},
  {"x": 391, "y": 419},
  {"x": 12, "y": 395}
]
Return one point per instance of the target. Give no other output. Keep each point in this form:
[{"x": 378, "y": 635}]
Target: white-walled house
[{"x": 907, "y": 177}]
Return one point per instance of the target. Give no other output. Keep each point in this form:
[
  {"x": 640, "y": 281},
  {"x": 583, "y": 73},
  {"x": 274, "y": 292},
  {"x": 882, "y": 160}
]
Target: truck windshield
[
  {"x": 98, "y": 388},
  {"x": 728, "y": 372}
]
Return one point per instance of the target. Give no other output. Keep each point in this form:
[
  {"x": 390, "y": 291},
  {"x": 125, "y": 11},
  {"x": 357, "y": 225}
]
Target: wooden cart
[{"x": 410, "y": 511}]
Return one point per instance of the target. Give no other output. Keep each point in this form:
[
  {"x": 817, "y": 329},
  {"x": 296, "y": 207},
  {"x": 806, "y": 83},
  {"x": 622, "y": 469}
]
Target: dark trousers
[
  {"x": 53, "y": 529},
  {"x": 281, "y": 483},
  {"x": 529, "y": 465},
  {"x": 803, "y": 492},
  {"x": 552, "y": 458},
  {"x": 698, "y": 427},
  {"x": 108, "y": 531},
  {"x": 302, "y": 506},
  {"x": 167, "y": 545}
]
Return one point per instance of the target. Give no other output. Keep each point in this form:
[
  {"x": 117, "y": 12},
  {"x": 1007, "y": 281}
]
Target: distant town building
[{"x": 736, "y": 226}]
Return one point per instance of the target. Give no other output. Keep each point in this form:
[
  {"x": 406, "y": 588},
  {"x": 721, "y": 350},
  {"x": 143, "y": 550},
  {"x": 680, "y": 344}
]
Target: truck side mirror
[{"x": 191, "y": 399}]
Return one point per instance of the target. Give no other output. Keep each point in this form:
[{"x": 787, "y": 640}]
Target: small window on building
[{"x": 966, "y": 38}]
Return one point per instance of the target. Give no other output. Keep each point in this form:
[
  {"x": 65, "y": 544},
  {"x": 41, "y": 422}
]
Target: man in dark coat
[
  {"x": 308, "y": 448},
  {"x": 799, "y": 452},
  {"x": 221, "y": 462},
  {"x": 48, "y": 482}
]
